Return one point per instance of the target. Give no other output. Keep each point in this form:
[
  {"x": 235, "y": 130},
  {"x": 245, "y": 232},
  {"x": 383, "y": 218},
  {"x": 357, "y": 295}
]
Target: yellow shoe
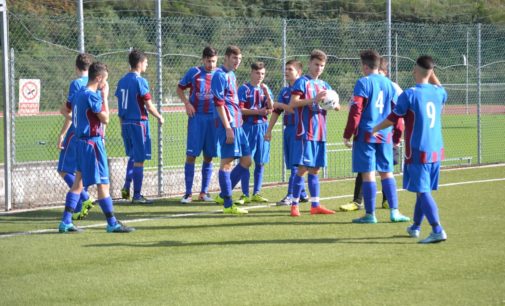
[
  {"x": 234, "y": 210},
  {"x": 259, "y": 198},
  {"x": 243, "y": 200},
  {"x": 219, "y": 200},
  {"x": 351, "y": 206}
]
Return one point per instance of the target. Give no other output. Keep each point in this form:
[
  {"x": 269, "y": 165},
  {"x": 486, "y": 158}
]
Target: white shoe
[
  {"x": 186, "y": 199},
  {"x": 285, "y": 201},
  {"x": 206, "y": 198},
  {"x": 413, "y": 232},
  {"x": 434, "y": 238}
]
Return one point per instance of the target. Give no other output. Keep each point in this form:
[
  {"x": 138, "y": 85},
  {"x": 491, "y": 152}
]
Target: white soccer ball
[{"x": 331, "y": 101}]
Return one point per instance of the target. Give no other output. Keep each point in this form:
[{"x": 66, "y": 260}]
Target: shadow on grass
[{"x": 171, "y": 243}]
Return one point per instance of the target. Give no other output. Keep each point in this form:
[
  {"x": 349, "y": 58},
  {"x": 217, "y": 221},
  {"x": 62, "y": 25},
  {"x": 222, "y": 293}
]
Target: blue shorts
[
  {"x": 368, "y": 157},
  {"x": 421, "y": 177},
  {"x": 237, "y": 149},
  {"x": 136, "y": 139},
  {"x": 260, "y": 149},
  {"x": 308, "y": 153},
  {"x": 92, "y": 161},
  {"x": 202, "y": 136},
  {"x": 68, "y": 155},
  {"x": 288, "y": 143}
]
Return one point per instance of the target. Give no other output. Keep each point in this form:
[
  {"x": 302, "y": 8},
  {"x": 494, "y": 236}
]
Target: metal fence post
[
  {"x": 467, "y": 64},
  {"x": 7, "y": 108},
  {"x": 388, "y": 12},
  {"x": 479, "y": 132},
  {"x": 12, "y": 82},
  {"x": 80, "y": 20},
  {"x": 159, "y": 92},
  {"x": 284, "y": 56}
]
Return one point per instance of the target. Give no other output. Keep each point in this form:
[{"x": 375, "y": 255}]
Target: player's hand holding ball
[{"x": 330, "y": 101}]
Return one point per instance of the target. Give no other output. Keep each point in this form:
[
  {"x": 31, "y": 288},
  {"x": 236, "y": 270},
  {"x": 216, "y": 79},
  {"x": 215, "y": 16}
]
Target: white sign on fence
[{"x": 29, "y": 96}]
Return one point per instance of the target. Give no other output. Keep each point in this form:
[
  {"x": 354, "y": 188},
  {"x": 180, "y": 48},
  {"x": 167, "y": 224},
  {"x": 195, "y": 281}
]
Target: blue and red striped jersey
[
  {"x": 85, "y": 106},
  {"x": 374, "y": 99},
  {"x": 421, "y": 107},
  {"x": 198, "y": 80},
  {"x": 132, "y": 92},
  {"x": 285, "y": 97},
  {"x": 310, "y": 120},
  {"x": 254, "y": 98},
  {"x": 224, "y": 90}
]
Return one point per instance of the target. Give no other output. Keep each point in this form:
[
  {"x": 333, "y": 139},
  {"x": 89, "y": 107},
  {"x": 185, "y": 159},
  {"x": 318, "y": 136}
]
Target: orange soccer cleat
[
  {"x": 294, "y": 211},
  {"x": 321, "y": 210}
]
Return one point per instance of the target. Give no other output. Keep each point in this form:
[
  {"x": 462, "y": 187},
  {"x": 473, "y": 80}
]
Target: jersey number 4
[{"x": 380, "y": 102}]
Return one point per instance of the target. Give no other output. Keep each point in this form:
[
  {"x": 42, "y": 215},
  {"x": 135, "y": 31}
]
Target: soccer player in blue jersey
[
  {"x": 292, "y": 72},
  {"x": 421, "y": 107},
  {"x": 134, "y": 102},
  {"x": 232, "y": 139},
  {"x": 90, "y": 112},
  {"x": 67, "y": 163},
  {"x": 373, "y": 99},
  {"x": 201, "y": 123},
  {"x": 309, "y": 149},
  {"x": 357, "y": 201},
  {"x": 256, "y": 104}
]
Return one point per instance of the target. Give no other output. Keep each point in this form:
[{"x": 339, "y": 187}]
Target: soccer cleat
[
  {"x": 68, "y": 228},
  {"x": 385, "y": 204},
  {"x": 259, "y": 198},
  {"x": 205, "y": 197},
  {"x": 219, "y": 200},
  {"x": 367, "y": 218},
  {"x": 186, "y": 199},
  {"x": 285, "y": 201},
  {"x": 396, "y": 216},
  {"x": 119, "y": 228},
  {"x": 243, "y": 200},
  {"x": 435, "y": 237},
  {"x": 351, "y": 206},
  {"x": 414, "y": 233},
  {"x": 125, "y": 193},
  {"x": 321, "y": 210},
  {"x": 142, "y": 200},
  {"x": 86, "y": 207},
  {"x": 234, "y": 210},
  {"x": 304, "y": 199},
  {"x": 295, "y": 212}
]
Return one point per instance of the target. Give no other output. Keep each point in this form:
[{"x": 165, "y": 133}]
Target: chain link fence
[{"x": 45, "y": 48}]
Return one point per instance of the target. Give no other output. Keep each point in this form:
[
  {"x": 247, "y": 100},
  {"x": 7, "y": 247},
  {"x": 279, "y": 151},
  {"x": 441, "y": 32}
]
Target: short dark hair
[
  {"x": 318, "y": 54},
  {"x": 426, "y": 62},
  {"x": 296, "y": 63},
  {"x": 209, "y": 52},
  {"x": 96, "y": 69},
  {"x": 383, "y": 66},
  {"x": 232, "y": 50},
  {"x": 257, "y": 66},
  {"x": 370, "y": 58},
  {"x": 83, "y": 61},
  {"x": 135, "y": 57}
]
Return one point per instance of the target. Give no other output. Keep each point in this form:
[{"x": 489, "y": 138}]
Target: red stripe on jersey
[
  {"x": 256, "y": 104},
  {"x": 69, "y": 106},
  {"x": 297, "y": 93},
  {"x": 409, "y": 130},
  {"x": 206, "y": 103},
  {"x": 196, "y": 91},
  {"x": 354, "y": 117},
  {"x": 320, "y": 128},
  {"x": 310, "y": 132},
  {"x": 299, "y": 126},
  {"x": 218, "y": 102},
  {"x": 423, "y": 157},
  {"x": 142, "y": 109},
  {"x": 434, "y": 157},
  {"x": 184, "y": 87},
  {"x": 94, "y": 123}
]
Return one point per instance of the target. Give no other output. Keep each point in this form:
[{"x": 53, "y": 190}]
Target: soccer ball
[{"x": 331, "y": 101}]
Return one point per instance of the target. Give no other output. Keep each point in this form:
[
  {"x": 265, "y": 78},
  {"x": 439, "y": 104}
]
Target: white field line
[{"x": 42, "y": 231}]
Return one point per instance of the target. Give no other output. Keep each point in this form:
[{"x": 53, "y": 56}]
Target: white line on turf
[{"x": 43, "y": 231}]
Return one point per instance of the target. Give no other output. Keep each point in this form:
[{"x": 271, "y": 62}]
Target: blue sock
[
  {"x": 389, "y": 189},
  {"x": 418, "y": 214},
  {"x": 430, "y": 210},
  {"x": 225, "y": 185},
  {"x": 129, "y": 174},
  {"x": 70, "y": 204},
  {"x": 294, "y": 170},
  {"x": 258, "y": 178},
  {"x": 206, "y": 176},
  {"x": 108, "y": 210},
  {"x": 298, "y": 183},
  {"x": 69, "y": 179},
  {"x": 236, "y": 175},
  {"x": 313, "y": 182},
  {"x": 369, "y": 192},
  {"x": 189, "y": 174},
  {"x": 138, "y": 177},
  {"x": 244, "y": 181}
]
